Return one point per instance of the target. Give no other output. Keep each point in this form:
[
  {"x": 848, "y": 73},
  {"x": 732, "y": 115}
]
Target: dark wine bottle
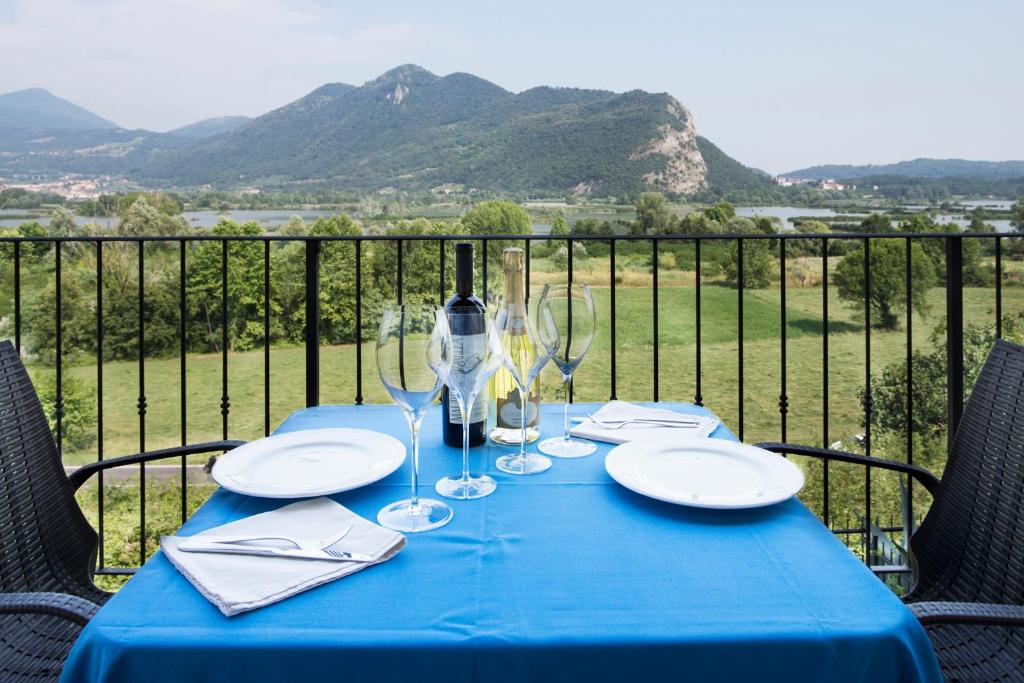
[{"x": 470, "y": 328}]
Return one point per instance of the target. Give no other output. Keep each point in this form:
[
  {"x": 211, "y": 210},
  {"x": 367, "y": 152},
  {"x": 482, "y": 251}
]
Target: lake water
[
  {"x": 271, "y": 218},
  {"x": 197, "y": 219},
  {"x": 786, "y": 214}
]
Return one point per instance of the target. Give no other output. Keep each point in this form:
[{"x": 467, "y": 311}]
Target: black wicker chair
[
  {"x": 968, "y": 554},
  {"x": 47, "y": 549}
]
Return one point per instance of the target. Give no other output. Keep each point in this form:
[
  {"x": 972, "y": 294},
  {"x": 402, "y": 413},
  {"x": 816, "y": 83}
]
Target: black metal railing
[{"x": 313, "y": 246}]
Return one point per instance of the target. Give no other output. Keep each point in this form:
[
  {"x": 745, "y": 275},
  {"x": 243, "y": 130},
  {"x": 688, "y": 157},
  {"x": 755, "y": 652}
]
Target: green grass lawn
[
  {"x": 634, "y": 341},
  {"x": 761, "y": 418}
]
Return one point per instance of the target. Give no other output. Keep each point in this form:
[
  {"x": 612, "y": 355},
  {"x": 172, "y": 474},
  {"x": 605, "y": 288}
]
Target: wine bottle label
[
  {"x": 517, "y": 321},
  {"x": 508, "y": 410},
  {"x": 468, "y": 352}
]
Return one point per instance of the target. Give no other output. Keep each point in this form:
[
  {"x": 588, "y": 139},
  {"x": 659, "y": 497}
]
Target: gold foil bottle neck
[{"x": 513, "y": 262}]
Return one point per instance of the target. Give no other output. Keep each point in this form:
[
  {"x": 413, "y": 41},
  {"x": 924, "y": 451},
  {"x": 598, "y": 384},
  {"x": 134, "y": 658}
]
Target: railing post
[
  {"x": 312, "y": 322},
  {"x": 954, "y": 335}
]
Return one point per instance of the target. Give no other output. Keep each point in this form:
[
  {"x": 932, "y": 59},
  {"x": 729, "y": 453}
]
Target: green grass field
[
  {"x": 634, "y": 341},
  {"x": 761, "y": 418}
]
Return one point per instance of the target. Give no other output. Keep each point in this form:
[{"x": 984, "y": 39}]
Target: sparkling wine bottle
[{"x": 504, "y": 404}]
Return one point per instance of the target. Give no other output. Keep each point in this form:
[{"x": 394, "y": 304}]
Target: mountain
[
  {"x": 726, "y": 175},
  {"x": 208, "y": 127},
  {"x": 39, "y": 108},
  {"x": 55, "y": 151},
  {"x": 918, "y": 168},
  {"x": 408, "y": 129},
  {"x": 411, "y": 129}
]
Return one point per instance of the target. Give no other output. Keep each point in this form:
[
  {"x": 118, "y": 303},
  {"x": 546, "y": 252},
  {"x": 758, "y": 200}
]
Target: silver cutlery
[
  {"x": 305, "y": 548},
  {"x": 236, "y": 549},
  {"x": 654, "y": 422},
  {"x": 300, "y": 543}
]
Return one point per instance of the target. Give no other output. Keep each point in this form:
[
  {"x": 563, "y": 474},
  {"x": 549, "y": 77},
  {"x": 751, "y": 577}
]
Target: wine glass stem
[
  {"x": 467, "y": 409},
  {"x": 524, "y": 395},
  {"x": 567, "y": 382},
  {"x": 414, "y": 430}
]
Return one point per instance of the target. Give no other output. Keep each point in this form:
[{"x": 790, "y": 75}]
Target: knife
[
  {"x": 239, "y": 549},
  {"x": 686, "y": 422}
]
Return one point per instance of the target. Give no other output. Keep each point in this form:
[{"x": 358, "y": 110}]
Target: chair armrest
[
  {"x": 926, "y": 478},
  {"x": 79, "y": 476},
  {"x": 968, "y": 613},
  {"x": 63, "y": 605}
]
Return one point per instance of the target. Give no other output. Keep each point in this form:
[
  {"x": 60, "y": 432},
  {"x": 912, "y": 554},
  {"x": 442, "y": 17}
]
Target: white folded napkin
[
  {"x": 620, "y": 410},
  {"x": 239, "y": 583}
]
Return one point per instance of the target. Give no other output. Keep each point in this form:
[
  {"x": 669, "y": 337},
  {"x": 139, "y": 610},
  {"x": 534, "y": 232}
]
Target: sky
[{"x": 777, "y": 85}]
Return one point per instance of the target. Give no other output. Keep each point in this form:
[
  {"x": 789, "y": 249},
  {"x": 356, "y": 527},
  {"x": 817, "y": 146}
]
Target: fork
[
  {"x": 619, "y": 424},
  {"x": 301, "y": 543}
]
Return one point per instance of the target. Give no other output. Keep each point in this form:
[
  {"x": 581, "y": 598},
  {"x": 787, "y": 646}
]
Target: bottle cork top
[{"x": 513, "y": 259}]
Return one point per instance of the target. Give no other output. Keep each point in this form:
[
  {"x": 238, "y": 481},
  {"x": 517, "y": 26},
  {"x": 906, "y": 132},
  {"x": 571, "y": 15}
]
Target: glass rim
[
  {"x": 393, "y": 307},
  {"x": 567, "y": 286}
]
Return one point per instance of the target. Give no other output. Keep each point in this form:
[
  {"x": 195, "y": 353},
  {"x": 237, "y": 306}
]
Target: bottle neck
[
  {"x": 515, "y": 302},
  {"x": 464, "y": 270},
  {"x": 514, "y": 294}
]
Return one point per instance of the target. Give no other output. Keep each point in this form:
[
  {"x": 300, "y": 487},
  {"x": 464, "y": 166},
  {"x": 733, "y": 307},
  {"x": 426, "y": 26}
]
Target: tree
[
  {"x": 876, "y": 223},
  {"x": 592, "y": 226},
  {"x": 244, "y": 295},
  {"x": 698, "y": 223},
  {"x": 337, "y": 282},
  {"x": 295, "y": 227},
  {"x": 758, "y": 264},
  {"x": 974, "y": 273},
  {"x": 813, "y": 227},
  {"x": 62, "y": 223},
  {"x": 979, "y": 225},
  {"x": 595, "y": 227},
  {"x": 559, "y": 226},
  {"x": 497, "y": 217},
  {"x": 721, "y": 213},
  {"x": 889, "y": 392},
  {"x": 161, "y": 201},
  {"x": 78, "y": 404},
  {"x": 887, "y": 294},
  {"x": 141, "y": 218},
  {"x": 121, "y": 301},
  {"x": 40, "y": 319},
  {"x": 652, "y": 213},
  {"x": 740, "y": 226},
  {"x": 1017, "y": 214}
]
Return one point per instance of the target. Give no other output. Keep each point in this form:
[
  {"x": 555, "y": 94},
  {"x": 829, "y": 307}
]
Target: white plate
[
  {"x": 307, "y": 463},
  {"x": 706, "y": 473}
]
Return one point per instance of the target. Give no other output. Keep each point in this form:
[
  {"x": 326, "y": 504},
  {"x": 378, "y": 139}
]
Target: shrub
[{"x": 79, "y": 402}]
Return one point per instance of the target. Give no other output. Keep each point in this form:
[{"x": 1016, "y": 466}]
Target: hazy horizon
[{"x": 777, "y": 87}]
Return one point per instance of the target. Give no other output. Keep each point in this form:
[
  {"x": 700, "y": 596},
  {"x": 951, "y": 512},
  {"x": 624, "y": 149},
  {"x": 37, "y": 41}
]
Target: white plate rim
[
  {"x": 616, "y": 462},
  {"x": 222, "y": 469}
]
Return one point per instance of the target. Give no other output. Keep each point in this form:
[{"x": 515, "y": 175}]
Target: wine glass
[
  {"x": 413, "y": 340},
  {"x": 570, "y": 308},
  {"x": 524, "y": 354},
  {"x": 476, "y": 356}
]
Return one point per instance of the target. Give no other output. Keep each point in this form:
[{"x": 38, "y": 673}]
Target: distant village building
[
  {"x": 69, "y": 188},
  {"x": 783, "y": 181},
  {"x": 831, "y": 184}
]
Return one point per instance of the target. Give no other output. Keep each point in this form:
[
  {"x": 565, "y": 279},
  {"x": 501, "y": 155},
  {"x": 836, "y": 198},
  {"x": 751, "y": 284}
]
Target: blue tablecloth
[{"x": 559, "y": 576}]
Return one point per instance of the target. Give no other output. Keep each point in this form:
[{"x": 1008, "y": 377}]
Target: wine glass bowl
[
  {"x": 413, "y": 341},
  {"x": 571, "y": 321},
  {"x": 475, "y": 356}
]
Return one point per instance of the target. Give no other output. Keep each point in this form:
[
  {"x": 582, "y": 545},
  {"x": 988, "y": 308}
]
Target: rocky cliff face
[{"x": 685, "y": 171}]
